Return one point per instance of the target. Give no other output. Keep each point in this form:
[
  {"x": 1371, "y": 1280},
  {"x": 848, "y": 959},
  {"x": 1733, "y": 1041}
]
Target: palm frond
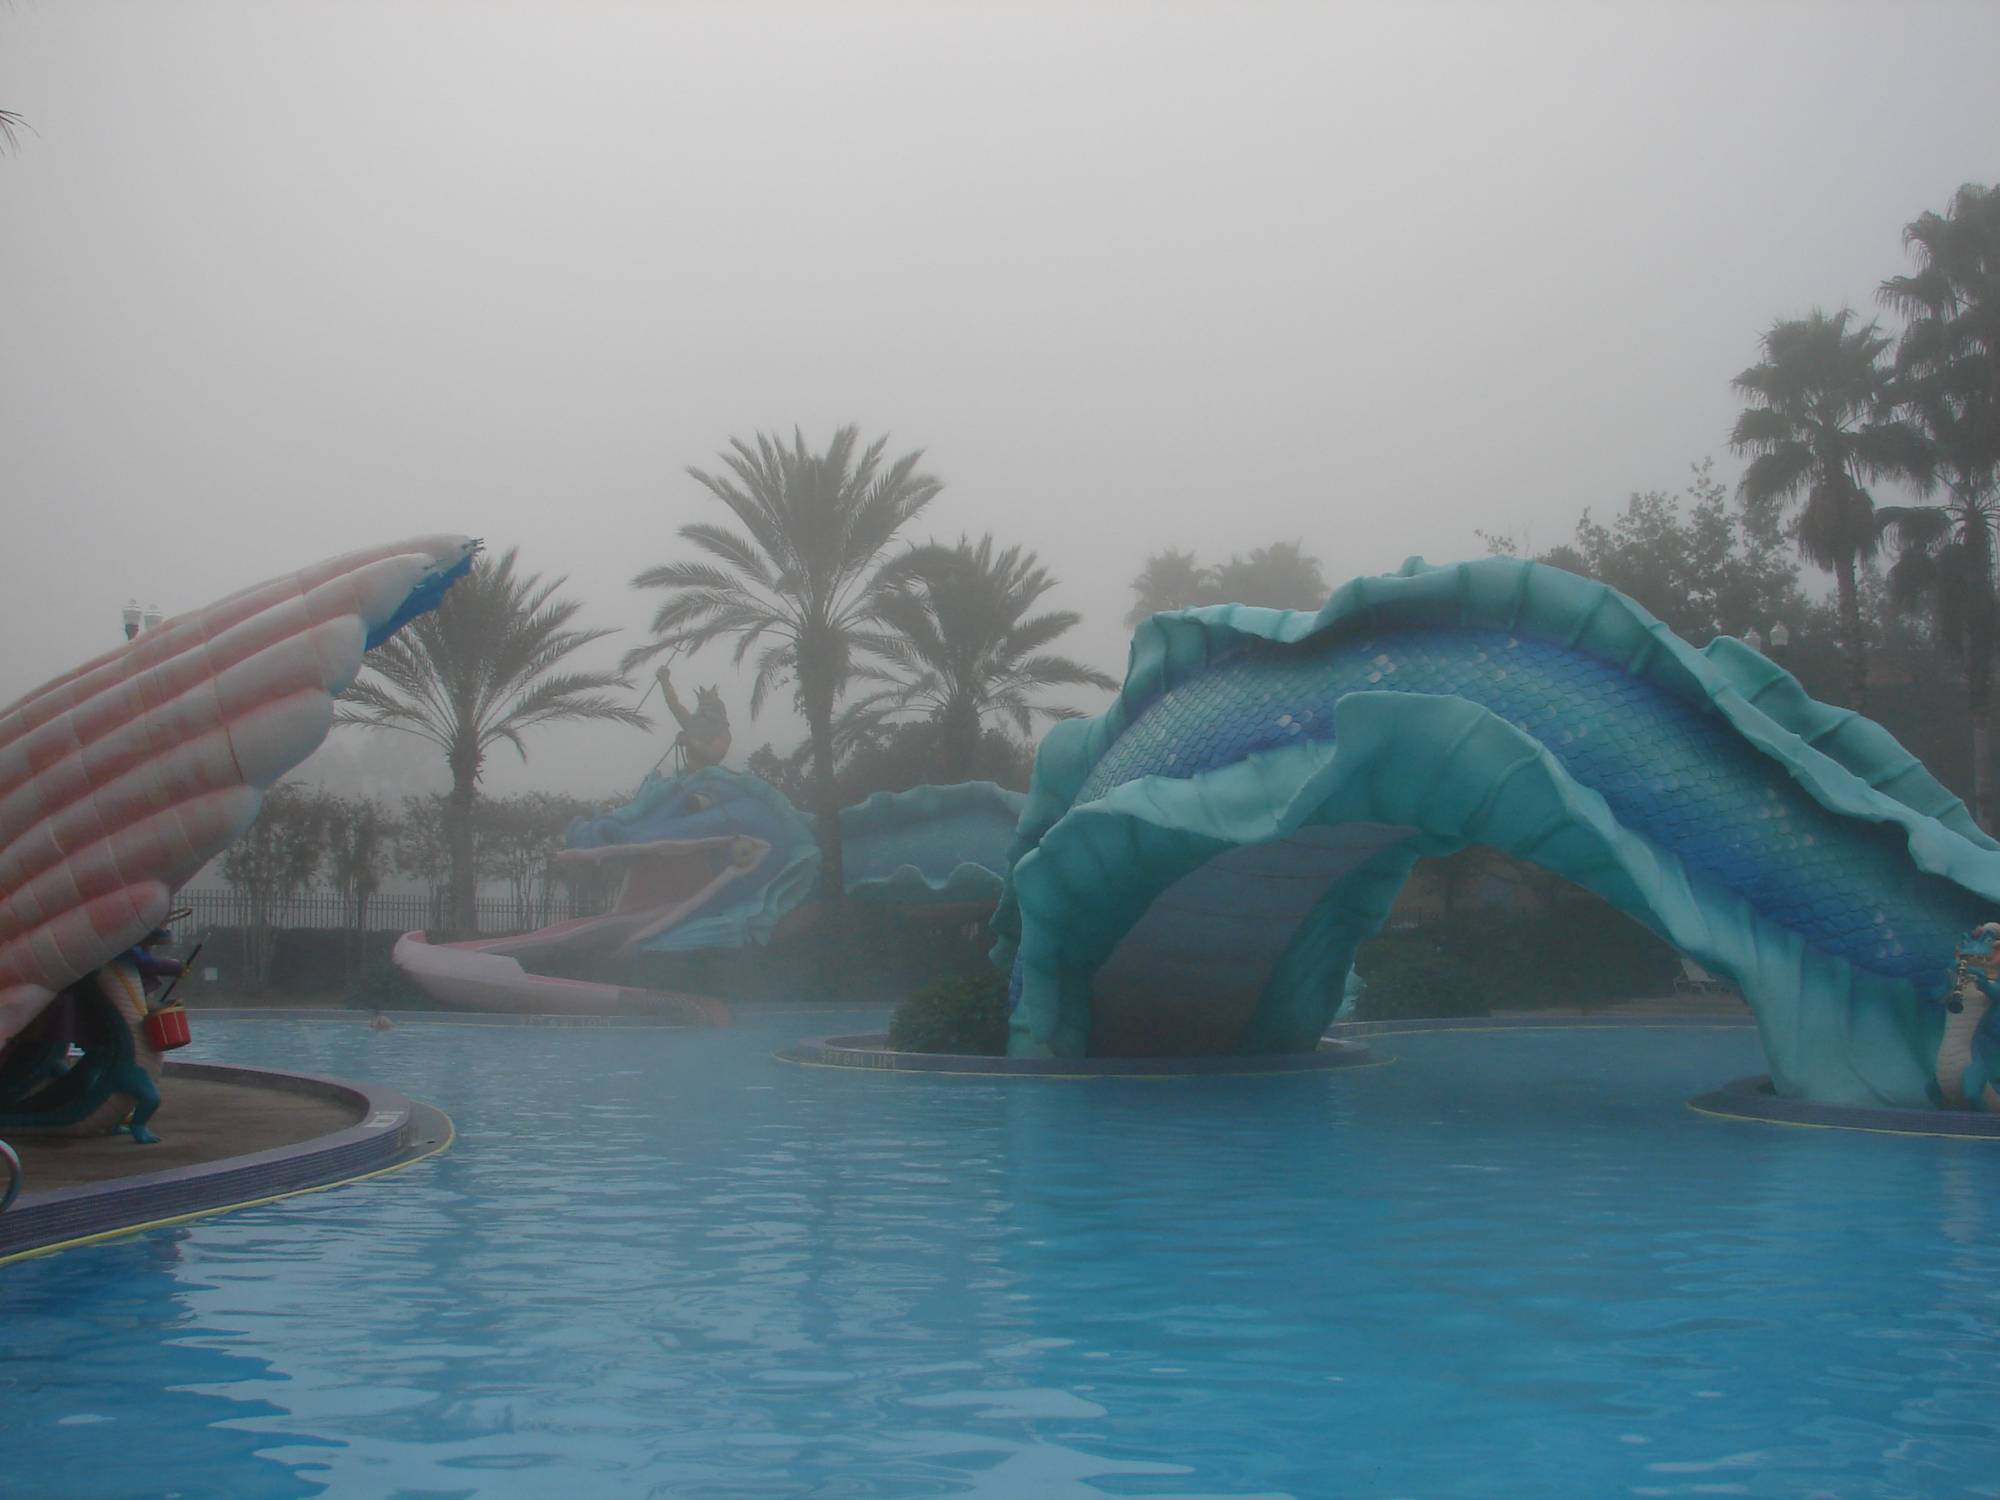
[
  {"x": 1060, "y": 671},
  {"x": 688, "y": 575},
  {"x": 483, "y": 665},
  {"x": 1777, "y": 474}
]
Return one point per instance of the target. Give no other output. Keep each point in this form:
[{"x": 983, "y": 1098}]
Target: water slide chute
[{"x": 713, "y": 859}]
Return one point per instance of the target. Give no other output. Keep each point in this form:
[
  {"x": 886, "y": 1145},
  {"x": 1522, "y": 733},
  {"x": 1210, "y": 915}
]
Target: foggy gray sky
[{"x": 281, "y": 280}]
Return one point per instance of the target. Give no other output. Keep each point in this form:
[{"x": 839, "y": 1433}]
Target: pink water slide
[{"x": 485, "y": 975}]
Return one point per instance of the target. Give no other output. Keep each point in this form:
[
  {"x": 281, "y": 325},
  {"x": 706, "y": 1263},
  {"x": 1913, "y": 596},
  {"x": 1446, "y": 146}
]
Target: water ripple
[{"x": 662, "y": 1264}]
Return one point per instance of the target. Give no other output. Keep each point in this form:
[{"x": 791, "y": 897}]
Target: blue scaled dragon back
[
  {"x": 1197, "y": 865},
  {"x": 721, "y": 857}
]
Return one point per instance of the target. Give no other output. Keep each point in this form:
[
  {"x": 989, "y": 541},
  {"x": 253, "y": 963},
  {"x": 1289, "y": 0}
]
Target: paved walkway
[{"x": 199, "y": 1121}]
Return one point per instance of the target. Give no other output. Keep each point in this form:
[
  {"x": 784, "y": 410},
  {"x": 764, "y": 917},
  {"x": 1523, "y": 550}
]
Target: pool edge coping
[
  {"x": 361, "y": 1016},
  {"x": 868, "y": 1052},
  {"x": 393, "y": 1132}
]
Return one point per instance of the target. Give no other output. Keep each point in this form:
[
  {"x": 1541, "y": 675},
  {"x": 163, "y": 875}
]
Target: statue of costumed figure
[
  {"x": 115, "y": 1083},
  {"x": 704, "y": 736},
  {"x": 1968, "y": 1054}
]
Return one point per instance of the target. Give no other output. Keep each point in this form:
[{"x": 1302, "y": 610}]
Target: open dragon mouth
[{"x": 663, "y": 883}]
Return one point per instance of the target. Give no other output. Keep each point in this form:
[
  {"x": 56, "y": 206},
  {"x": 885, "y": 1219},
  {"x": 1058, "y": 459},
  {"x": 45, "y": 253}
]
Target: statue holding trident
[{"x": 704, "y": 736}]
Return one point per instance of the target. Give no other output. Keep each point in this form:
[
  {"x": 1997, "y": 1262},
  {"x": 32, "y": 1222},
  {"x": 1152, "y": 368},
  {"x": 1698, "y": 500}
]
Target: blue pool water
[{"x": 664, "y": 1264}]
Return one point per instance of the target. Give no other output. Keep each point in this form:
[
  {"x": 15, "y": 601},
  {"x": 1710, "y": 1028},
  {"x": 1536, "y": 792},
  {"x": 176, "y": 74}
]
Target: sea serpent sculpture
[
  {"x": 121, "y": 779},
  {"x": 1197, "y": 865},
  {"x": 712, "y": 859}
]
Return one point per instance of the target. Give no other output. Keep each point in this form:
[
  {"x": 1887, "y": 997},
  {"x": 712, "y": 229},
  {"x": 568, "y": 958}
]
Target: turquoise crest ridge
[{"x": 1215, "y": 845}]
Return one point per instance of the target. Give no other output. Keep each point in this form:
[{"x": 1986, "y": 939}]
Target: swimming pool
[{"x": 662, "y": 1263}]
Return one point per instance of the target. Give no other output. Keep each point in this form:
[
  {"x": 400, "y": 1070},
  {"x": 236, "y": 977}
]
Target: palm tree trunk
[
  {"x": 1852, "y": 650},
  {"x": 1979, "y": 708},
  {"x": 961, "y": 742},
  {"x": 826, "y": 801},
  {"x": 360, "y": 931},
  {"x": 462, "y": 916},
  {"x": 1982, "y": 767}
]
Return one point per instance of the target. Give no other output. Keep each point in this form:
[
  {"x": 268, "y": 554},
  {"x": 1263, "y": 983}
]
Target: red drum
[{"x": 168, "y": 1029}]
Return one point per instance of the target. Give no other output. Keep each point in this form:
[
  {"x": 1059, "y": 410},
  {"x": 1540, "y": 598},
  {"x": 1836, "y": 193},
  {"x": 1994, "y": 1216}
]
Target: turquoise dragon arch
[{"x": 1197, "y": 865}]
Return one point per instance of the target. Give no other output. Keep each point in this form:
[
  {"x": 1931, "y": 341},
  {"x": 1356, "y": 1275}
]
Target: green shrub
[
  {"x": 967, "y": 1016},
  {"x": 1411, "y": 974},
  {"x": 1580, "y": 953}
]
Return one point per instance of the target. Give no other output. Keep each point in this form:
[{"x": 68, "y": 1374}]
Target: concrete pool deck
[{"x": 229, "y": 1137}]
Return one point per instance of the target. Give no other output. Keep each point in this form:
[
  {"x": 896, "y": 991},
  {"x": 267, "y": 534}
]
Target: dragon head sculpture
[{"x": 709, "y": 858}]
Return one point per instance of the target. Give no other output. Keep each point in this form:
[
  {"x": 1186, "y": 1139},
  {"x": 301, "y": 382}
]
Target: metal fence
[{"x": 325, "y": 910}]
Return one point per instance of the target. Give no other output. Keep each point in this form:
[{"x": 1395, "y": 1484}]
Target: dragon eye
[{"x": 699, "y": 802}]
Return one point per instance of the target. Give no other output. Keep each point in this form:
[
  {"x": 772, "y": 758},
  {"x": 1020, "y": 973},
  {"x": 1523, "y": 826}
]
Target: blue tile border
[
  {"x": 1343, "y": 1046},
  {"x": 1598, "y": 1021},
  {"x": 392, "y": 1131},
  {"x": 868, "y": 1051},
  {"x": 349, "y": 1016}
]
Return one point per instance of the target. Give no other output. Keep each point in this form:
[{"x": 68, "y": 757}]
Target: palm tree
[
  {"x": 1819, "y": 422},
  {"x": 1279, "y": 576},
  {"x": 11, "y": 126},
  {"x": 797, "y": 583},
  {"x": 1944, "y": 561},
  {"x": 478, "y": 670},
  {"x": 360, "y": 838},
  {"x": 1948, "y": 359},
  {"x": 1170, "y": 580},
  {"x": 1948, "y": 376},
  {"x": 964, "y": 647}
]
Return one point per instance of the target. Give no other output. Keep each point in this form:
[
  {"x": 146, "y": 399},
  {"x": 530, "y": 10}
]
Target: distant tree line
[
  {"x": 1833, "y": 407},
  {"x": 1836, "y": 404},
  {"x": 482, "y": 669},
  {"x": 902, "y": 660},
  {"x": 917, "y": 662},
  {"x": 306, "y": 841},
  {"x": 910, "y": 662},
  {"x": 1279, "y": 576}
]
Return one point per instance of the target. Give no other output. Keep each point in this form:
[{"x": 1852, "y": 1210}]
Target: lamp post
[
  {"x": 1780, "y": 639},
  {"x": 137, "y": 619}
]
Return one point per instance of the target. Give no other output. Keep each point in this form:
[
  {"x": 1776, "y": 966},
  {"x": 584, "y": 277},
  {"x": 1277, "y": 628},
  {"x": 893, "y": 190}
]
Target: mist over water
[
  {"x": 1170, "y": 305},
  {"x": 286, "y": 280}
]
